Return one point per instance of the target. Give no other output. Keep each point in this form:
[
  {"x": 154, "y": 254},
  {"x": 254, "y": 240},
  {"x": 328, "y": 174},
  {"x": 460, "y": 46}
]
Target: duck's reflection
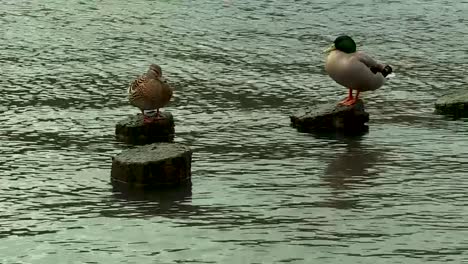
[
  {"x": 152, "y": 202},
  {"x": 351, "y": 170},
  {"x": 177, "y": 204}
]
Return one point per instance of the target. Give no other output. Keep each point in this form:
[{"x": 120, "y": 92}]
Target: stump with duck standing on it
[
  {"x": 155, "y": 161},
  {"x": 134, "y": 130},
  {"x": 327, "y": 117}
]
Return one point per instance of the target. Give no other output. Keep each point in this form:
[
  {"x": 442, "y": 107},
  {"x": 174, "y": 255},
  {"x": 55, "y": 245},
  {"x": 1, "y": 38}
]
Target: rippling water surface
[{"x": 262, "y": 192}]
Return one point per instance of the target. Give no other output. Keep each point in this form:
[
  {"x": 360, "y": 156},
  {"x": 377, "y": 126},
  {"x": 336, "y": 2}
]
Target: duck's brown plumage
[{"x": 150, "y": 91}]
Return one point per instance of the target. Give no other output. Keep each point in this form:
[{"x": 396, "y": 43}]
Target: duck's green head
[{"x": 343, "y": 43}]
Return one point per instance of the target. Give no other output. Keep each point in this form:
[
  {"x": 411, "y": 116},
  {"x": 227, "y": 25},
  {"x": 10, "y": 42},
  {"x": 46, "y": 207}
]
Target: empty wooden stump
[
  {"x": 153, "y": 166},
  {"x": 134, "y": 131},
  {"x": 329, "y": 117}
]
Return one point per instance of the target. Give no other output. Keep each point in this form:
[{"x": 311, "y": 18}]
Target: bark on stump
[
  {"x": 332, "y": 117},
  {"x": 152, "y": 166},
  {"x": 455, "y": 105},
  {"x": 134, "y": 131}
]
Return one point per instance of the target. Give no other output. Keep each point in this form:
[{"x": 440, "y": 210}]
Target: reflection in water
[
  {"x": 353, "y": 167},
  {"x": 350, "y": 170},
  {"x": 176, "y": 204},
  {"x": 152, "y": 202}
]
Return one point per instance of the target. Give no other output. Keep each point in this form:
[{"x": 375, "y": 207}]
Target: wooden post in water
[
  {"x": 134, "y": 131},
  {"x": 330, "y": 117},
  {"x": 154, "y": 162},
  {"x": 455, "y": 104},
  {"x": 153, "y": 166}
]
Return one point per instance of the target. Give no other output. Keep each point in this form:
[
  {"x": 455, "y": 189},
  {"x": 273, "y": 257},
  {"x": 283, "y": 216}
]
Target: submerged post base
[
  {"x": 455, "y": 105},
  {"x": 332, "y": 117},
  {"x": 133, "y": 130}
]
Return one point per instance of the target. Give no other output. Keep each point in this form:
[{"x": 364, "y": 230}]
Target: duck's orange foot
[
  {"x": 347, "y": 99},
  {"x": 349, "y": 102},
  {"x": 153, "y": 117},
  {"x": 147, "y": 119}
]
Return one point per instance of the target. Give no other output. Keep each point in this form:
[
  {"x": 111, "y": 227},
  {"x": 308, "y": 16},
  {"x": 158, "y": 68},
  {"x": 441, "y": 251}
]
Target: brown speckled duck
[
  {"x": 150, "y": 91},
  {"x": 354, "y": 69}
]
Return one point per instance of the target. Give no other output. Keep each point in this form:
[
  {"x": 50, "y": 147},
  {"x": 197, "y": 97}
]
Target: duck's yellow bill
[{"x": 332, "y": 47}]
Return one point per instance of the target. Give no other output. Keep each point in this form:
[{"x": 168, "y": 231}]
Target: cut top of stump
[
  {"x": 152, "y": 153},
  {"x": 331, "y": 117},
  {"x": 134, "y": 131},
  {"x": 455, "y": 104}
]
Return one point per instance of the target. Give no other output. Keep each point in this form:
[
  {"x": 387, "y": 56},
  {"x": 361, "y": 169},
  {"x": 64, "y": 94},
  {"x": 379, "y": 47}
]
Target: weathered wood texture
[
  {"x": 153, "y": 165},
  {"x": 134, "y": 131},
  {"x": 331, "y": 117}
]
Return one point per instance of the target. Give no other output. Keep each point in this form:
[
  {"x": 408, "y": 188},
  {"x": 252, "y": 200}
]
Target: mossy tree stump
[
  {"x": 153, "y": 165},
  {"x": 329, "y": 117},
  {"x": 455, "y": 105},
  {"x": 134, "y": 131}
]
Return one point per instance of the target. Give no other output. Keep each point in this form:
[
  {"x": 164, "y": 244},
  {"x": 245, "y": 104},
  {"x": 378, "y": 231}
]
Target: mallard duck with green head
[{"x": 354, "y": 69}]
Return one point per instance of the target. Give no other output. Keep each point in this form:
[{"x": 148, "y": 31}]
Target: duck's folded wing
[
  {"x": 135, "y": 84},
  {"x": 373, "y": 65}
]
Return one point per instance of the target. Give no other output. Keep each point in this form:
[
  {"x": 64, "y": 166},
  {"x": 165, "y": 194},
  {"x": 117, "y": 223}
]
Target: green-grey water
[{"x": 262, "y": 192}]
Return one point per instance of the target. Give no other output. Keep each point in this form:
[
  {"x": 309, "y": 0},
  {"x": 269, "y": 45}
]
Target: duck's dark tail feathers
[{"x": 385, "y": 71}]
